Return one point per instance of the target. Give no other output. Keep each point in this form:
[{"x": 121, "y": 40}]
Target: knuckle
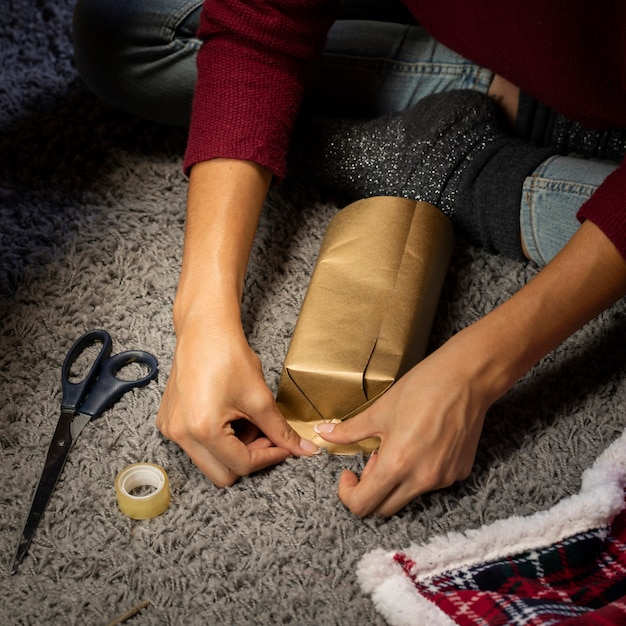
[
  {"x": 201, "y": 427},
  {"x": 177, "y": 430},
  {"x": 285, "y": 432},
  {"x": 238, "y": 469},
  {"x": 163, "y": 423},
  {"x": 163, "y": 429},
  {"x": 170, "y": 431},
  {"x": 225, "y": 481},
  {"x": 465, "y": 471},
  {"x": 358, "y": 507},
  {"x": 401, "y": 465},
  {"x": 257, "y": 404},
  {"x": 432, "y": 479}
]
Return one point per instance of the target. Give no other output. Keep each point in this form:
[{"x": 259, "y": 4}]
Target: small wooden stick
[{"x": 130, "y": 613}]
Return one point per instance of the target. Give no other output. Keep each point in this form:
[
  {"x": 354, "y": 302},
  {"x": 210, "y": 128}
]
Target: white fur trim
[{"x": 600, "y": 499}]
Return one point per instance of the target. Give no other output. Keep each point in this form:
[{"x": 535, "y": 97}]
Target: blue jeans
[
  {"x": 551, "y": 197},
  {"x": 139, "y": 55}
]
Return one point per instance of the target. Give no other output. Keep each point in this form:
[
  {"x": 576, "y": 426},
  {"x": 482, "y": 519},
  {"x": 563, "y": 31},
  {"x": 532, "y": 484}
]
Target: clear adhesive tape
[{"x": 142, "y": 475}]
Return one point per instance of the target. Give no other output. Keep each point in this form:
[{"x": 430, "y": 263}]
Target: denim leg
[
  {"x": 551, "y": 197},
  {"x": 139, "y": 55},
  {"x": 372, "y": 67}
]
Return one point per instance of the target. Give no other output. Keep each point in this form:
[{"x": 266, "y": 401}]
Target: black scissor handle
[
  {"x": 109, "y": 388},
  {"x": 75, "y": 393}
]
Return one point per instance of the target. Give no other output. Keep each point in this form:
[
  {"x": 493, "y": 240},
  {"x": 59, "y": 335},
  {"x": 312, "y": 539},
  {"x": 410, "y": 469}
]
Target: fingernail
[
  {"x": 308, "y": 446},
  {"x": 326, "y": 427}
]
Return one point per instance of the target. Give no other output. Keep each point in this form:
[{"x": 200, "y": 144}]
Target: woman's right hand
[
  {"x": 218, "y": 408},
  {"x": 216, "y": 404}
]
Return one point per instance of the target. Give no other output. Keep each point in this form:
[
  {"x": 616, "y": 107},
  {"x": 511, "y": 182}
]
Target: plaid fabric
[{"x": 580, "y": 581}]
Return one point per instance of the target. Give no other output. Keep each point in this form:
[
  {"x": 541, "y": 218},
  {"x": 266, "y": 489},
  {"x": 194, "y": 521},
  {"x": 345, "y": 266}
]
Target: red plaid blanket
[
  {"x": 578, "y": 581},
  {"x": 541, "y": 576}
]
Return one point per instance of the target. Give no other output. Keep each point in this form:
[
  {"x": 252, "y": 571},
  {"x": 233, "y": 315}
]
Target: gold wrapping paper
[{"x": 367, "y": 313}]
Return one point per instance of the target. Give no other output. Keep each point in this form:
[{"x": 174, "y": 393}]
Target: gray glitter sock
[
  {"x": 543, "y": 126},
  {"x": 448, "y": 150}
]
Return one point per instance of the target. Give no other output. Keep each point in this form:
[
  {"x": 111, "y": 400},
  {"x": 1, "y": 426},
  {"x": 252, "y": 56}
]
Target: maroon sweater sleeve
[
  {"x": 250, "y": 74},
  {"x": 251, "y": 63},
  {"x": 607, "y": 208}
]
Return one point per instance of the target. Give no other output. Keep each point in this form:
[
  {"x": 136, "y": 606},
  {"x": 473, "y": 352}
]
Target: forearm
[
  {"x": 429, "y": 422},
  {"x": 216, "y": 381},
  {"x": 224, "y": 203},
  {"x": 588, "y": 276}
]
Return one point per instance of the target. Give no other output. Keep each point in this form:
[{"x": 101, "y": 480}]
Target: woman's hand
[
  {"x": 429, "y": 424},
  {"x": 217, "y": 407},
  {"x": 216, "y": 404},
  {"x": 430, "y": 421}
]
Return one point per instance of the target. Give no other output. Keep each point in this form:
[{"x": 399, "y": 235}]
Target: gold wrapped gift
[{"x": 367, "y": 313}]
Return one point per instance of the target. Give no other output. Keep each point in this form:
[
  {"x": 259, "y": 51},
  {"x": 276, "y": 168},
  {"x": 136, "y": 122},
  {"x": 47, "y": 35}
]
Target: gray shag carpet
[{"x": 91, "y": 225}]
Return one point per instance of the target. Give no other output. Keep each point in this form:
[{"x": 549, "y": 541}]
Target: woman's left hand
[
  {"x": 430, "y": 421},
  {"x": 429, "y": 424}
]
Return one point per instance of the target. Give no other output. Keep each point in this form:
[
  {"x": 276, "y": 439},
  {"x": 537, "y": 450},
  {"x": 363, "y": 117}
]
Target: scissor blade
[{"x": 55, "y": 460}]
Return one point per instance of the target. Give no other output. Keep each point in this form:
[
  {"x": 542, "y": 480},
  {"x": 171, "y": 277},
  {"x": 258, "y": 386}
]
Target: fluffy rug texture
[{"x": 91, "y": 226}]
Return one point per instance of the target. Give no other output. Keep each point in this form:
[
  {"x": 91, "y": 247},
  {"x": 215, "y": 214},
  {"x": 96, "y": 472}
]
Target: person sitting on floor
[{"x": 437, "y": 83}]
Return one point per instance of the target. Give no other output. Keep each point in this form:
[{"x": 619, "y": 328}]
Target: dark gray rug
[{"x": 91, "y": 225}]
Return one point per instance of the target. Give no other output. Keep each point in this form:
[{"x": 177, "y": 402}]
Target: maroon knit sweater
[{"x": 251, "y": 63}]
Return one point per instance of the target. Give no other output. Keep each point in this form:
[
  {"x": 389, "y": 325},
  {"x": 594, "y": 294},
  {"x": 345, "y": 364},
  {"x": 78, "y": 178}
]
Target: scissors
[{"x": 81, "y": 402}]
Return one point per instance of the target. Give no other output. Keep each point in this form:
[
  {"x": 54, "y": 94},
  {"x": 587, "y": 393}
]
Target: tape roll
[{"x": 142, "y": 475}]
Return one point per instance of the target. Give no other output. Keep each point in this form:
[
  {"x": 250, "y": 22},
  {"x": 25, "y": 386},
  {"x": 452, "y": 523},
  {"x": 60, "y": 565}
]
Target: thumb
[
  {"x": 351, "y": 430},
  {"x": 275, "y": 427}
]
